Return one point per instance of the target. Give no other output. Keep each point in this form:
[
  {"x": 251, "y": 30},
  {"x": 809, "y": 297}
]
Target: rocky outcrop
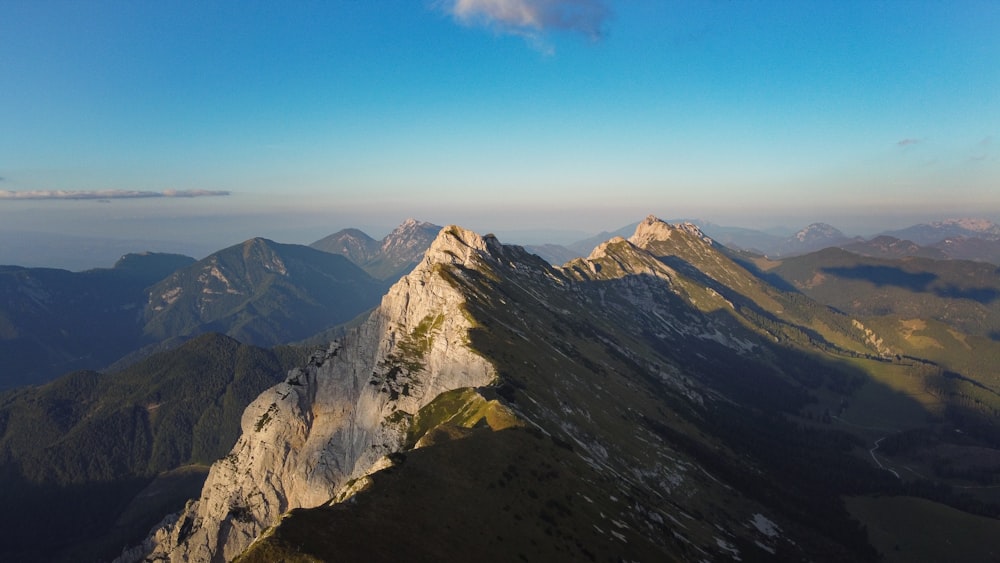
[{"x": 332, "y": 420}]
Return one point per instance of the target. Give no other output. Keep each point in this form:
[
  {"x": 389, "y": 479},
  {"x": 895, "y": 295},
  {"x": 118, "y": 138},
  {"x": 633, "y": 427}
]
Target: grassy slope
[{"x": 511, "y": 495}]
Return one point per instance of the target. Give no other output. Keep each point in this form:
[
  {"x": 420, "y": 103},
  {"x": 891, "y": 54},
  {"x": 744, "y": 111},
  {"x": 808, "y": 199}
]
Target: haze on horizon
[{"x": 211, "y": 123}]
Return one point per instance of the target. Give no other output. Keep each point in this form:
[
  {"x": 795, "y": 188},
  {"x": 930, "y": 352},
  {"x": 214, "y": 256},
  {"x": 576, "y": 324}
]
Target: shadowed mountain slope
[
  {"x": 54, "y": 321},
  {"x": 74, "y": 453}
]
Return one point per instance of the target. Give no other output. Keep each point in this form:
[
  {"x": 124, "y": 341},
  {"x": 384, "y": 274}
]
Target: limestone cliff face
[{"x": 331, "y": 421}]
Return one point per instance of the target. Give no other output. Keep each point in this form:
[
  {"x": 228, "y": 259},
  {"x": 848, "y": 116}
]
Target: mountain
[
  {"x": 260, "y": 292},
  {"x": 54, "y": 321},
  {"x": 83, "y": 458},
  {"x": 885, "y": 246},
  {"x": 656, "y": 400},
  {"x": 814, "y": 237},
  {"x": 970, "y": 248},
  {"x": 931, "y": 233},
  {"x": 357, "y": 246},
  {"x": 387, "y": 259}
]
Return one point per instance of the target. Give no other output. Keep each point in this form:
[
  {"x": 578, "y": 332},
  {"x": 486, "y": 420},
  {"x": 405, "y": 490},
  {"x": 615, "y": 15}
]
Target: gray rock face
[{"x": 333, "y": 420}]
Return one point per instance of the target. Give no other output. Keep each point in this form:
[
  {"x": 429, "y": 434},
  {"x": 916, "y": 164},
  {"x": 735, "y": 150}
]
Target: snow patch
[
  {"x": 728, "y": 547},
  {"x": 765, "y": 526}
]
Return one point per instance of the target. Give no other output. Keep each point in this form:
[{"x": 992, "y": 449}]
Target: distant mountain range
[
  {"x": 55, "y": 321},
  {"x": 263, "y": 292},
  {"x": 933, "y": 233},
  {"x": 260, "y": 292},
  {"x": 957, "y": 239},
  {"x": 80, "y": 253}
]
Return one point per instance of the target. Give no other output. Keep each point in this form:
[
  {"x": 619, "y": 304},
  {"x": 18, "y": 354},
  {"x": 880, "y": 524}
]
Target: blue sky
[{"x": 502, "y": 115}]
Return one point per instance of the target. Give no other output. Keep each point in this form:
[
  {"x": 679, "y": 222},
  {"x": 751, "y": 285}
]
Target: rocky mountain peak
[
  {"x": 649, "y": 229},
  {"x": 455, "y": 245},
  {"x": 652, "y": 229},
  {"x": 410, "y": 224},
  {"x": 408, "y": 233},
  {"x": 819, "y": 231},
  {"x": 602, "y": 250}
]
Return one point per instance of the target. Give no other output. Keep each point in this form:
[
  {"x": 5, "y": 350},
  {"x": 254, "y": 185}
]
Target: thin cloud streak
[
  {"x": 529, "y": 17},
  {"x": 107, "y": 194},
  {"x": 908, "y": 142}
]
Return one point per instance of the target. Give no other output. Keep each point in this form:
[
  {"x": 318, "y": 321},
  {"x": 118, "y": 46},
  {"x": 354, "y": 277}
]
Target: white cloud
[
  {"x": 106, "y": 194},
  {"x": 530, "y": 17}
]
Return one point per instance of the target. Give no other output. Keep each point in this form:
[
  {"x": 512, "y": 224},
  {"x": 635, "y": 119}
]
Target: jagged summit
[
  {"x": 456, "y": 245},
  {"x": 411, "y": 224},
  {"x": 602, "y": 250},
  {"x": 649, "y": 229},
  {"x": 410, "y": 234},
  {"x": 654, "y": 229}
]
